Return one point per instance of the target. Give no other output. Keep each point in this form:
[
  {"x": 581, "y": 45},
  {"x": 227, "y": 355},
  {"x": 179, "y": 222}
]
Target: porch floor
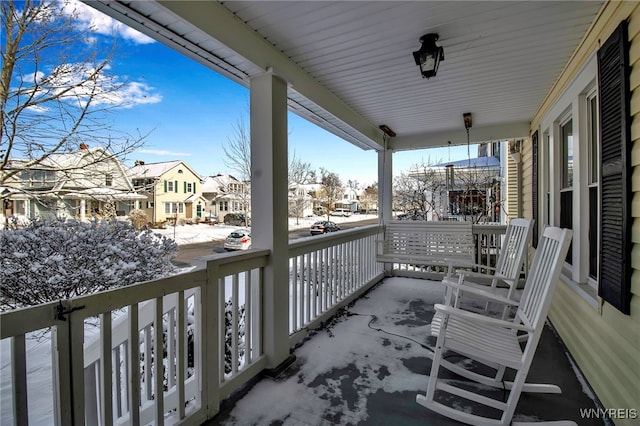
[{"x": 366, "y": 366}]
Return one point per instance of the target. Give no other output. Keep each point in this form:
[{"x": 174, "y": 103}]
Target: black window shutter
[
  {"x": 534, "y": 187},
  {"x": 615, "y": 166}
]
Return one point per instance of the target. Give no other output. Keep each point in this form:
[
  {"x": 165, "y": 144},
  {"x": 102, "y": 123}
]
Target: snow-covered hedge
[{"x": 57, "y": 259}]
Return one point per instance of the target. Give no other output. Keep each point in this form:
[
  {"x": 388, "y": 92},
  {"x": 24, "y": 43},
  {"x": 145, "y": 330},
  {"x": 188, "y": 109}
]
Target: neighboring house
[
  {"x": 368, "y": 199},
  {"x": 349, "y": 200},
  {"x": 225, "y": 194},
  {"x": 173, "y": 190},
  {"x": 302, "y": 201},
  {"x": 80, "y": 184},
  {"x": 468, "y": 189}
]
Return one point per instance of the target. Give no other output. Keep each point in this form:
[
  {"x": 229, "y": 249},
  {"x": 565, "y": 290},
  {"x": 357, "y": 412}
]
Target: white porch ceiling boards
[{"x": 350, "y": 64}]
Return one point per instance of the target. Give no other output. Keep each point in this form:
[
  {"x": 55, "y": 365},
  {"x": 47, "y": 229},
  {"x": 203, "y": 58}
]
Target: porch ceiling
[{"x": 350, "y": 67}]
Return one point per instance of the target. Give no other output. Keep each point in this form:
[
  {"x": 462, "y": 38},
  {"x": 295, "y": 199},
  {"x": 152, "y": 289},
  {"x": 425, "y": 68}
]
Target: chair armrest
[
  {"x": 475, "y": 265},
  {"x": 479, "y": 318},
  {"x": 493, "y": 297},
  {"x": 488, "y": 277}
]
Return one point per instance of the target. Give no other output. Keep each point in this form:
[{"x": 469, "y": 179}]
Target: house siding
[{"x": 604, "y": 342}]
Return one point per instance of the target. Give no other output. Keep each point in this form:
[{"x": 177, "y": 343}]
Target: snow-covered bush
[
  {"x": 57, "y": 259},
  {"x": 108, "y": 211},
  {"x": 138, "y": 218}
]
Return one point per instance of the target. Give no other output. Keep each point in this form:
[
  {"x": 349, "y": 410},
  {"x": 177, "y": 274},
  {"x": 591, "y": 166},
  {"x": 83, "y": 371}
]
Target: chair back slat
[
  {"x": 514, "y": 248},
  {"x": 543, "y": 276}
]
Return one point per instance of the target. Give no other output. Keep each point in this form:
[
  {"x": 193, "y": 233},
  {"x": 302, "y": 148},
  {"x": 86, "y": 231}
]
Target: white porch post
[
  {"x": 269, "y": 203},
  {"x": 385, "y": 185},
  {"x": 83, "y": 209}
]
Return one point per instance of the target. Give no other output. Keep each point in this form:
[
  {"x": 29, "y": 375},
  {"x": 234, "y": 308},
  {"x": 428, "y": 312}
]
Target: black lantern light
[{"x": 429, "y": 56}]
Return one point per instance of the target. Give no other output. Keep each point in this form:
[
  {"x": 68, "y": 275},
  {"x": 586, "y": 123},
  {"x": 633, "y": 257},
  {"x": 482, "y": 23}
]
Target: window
[
  {"x": 566, "y": 154},
  {"x": 149, "y": 204},
  {"x": 224, "y": 206},
  {"x": 593, "y": 142},
  {"x": 566, "y": 179},
  {"x": 170, "y": 187},
  {"x": 188, "y": 187},
  {"x": 38, "y": 177},
  {"x": 108, "y": 180},
  {"x": 585, "y": 170},
  {"x": 535, "y": 188},
  {"x": 173, "y": 208}
]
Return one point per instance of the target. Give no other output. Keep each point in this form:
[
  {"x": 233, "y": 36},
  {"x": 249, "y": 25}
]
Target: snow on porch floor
[{"x": 368, "y": 364}]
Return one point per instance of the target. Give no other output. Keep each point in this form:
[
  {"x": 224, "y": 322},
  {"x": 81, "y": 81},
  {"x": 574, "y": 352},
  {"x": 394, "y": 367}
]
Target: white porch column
[
  {"x": 83, "y": 209},
  {"x": 269, "y": 222},
  {"x": 385, "y": 185}
]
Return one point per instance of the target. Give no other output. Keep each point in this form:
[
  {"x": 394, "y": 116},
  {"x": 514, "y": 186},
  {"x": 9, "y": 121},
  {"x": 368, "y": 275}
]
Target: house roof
[
  {"x": 80, "y": 161},
  {"x": 195, "y": 197},
  {"x": 156, "y": 170},
  {"x": 67, "y": 160},
  {"x": 218, "y": 183},
  {"x": 490, "y": 162}
]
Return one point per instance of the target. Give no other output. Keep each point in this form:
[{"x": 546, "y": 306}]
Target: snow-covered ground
[
  {"x": 202, "y": 233},
  {"x": 39, "y": 350}
]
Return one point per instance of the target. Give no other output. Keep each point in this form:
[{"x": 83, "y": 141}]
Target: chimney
[
  {"x": 139, "y": 163},
  {"x": 84, "y": 146}
]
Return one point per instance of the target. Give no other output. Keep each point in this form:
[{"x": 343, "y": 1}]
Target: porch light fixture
[
  {"x": 387, "y": 131},
  {"x": 468, "y": 121},
  {"x": 429, "y": 56}
]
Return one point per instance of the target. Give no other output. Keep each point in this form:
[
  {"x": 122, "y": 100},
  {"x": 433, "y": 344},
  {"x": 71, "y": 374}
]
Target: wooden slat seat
[{"x": 448, "y": 244}]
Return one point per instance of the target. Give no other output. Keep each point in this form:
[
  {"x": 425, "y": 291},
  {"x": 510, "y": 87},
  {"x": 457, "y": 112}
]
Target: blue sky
[{"x": 191, "y": 110}]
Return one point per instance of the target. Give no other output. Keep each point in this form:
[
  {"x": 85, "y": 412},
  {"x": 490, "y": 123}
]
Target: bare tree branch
[
  {"x": 237, "y": 150},
  {"x": 331, "y": 188},
  {"x": 55, "y": 90}
]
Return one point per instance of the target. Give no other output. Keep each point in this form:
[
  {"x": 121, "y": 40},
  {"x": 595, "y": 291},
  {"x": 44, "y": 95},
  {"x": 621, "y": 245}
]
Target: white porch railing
[
  {"x": 207, "y": 324},
  {"x": 209, "y": 348},
  {"x": 328, "y": 271}
]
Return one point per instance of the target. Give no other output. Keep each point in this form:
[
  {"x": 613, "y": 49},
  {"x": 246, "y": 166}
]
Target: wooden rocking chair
[
  {"x": 495, "y": 343},
  {"x": 515, "y": 246}
]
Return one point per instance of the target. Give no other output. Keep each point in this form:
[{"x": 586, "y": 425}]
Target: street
[{"x": 187, "y": 252}]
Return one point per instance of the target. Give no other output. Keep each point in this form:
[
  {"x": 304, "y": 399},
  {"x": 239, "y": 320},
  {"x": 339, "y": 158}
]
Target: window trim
[{"x": 567, "y": 108}]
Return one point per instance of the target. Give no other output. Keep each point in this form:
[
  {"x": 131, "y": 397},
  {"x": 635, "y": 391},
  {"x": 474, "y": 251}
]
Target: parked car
[
  {"x": 236, "y": 219},
  {"x": 211, "y": 220},
  {"x": 240, "y": 239},
  {"x": 323, "y": 226},
  {"x": 341, "y": 212}
]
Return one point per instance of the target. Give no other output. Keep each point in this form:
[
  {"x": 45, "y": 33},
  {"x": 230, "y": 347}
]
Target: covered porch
[
  {"x": 357, "y": 345},
  {"x": 348, "y": 67}
]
